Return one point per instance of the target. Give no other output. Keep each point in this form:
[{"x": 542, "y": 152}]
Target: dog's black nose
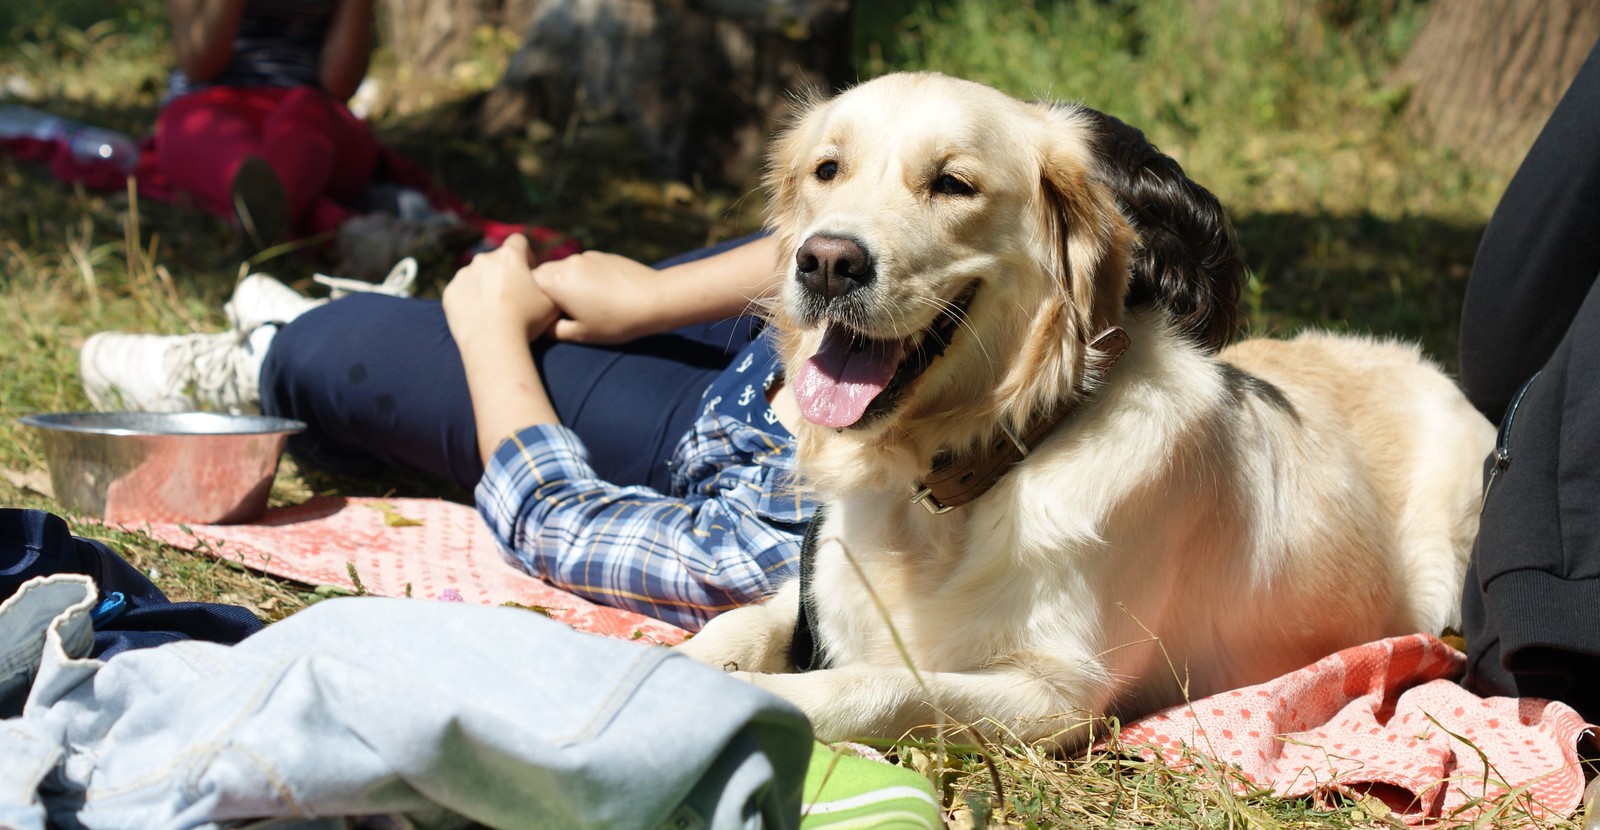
[{"x": 831, "y": 266}]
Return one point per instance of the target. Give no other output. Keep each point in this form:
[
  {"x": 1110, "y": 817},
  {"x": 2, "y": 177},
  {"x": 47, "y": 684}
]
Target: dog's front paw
[
  {"x": 750, "y": 639},
  {"x": 705, "y": 650},
  {"x": 766, "y": 682},
  {"x": 732, "y": 667},
  {"x": 831, "y": 710}
]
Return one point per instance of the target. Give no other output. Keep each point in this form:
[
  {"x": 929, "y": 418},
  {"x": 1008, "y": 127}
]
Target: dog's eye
[
  {"x": 827, "y": 170},
  {"x": 948, "y": 185}
]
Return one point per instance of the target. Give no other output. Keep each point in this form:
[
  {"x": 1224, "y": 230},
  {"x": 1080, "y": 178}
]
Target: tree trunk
[
  {"x": 703, "y": 82},
  {"x": 429, "y": 36},
  {"x": 1485, "y": 74}
]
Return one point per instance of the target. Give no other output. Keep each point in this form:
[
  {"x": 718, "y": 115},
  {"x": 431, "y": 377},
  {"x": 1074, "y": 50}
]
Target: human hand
[
  {"x": 604, "y": 298},
  {"x": 495, "y": 293}
]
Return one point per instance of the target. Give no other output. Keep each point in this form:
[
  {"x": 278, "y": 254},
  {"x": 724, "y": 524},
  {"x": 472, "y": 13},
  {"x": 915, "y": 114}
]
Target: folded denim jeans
[{"x": 432, "y": 714}]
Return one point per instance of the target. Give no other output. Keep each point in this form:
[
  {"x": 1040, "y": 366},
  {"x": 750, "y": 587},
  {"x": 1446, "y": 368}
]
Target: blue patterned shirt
[{"x": 727, "y": 532}]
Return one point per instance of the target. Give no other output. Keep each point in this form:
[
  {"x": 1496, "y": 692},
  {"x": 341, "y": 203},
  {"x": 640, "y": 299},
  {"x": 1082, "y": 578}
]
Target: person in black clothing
[{"x": 1530, "y": 361}]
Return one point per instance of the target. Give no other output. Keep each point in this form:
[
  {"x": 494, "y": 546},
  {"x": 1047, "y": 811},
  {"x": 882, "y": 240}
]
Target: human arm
[
  {"x": 605, "y": 298},
  {"x": 494, "y": 311},
  {"x": 726, "y": 542},
  {"x": 203, "y": 33},
  {"x": 346, "y": 48}
]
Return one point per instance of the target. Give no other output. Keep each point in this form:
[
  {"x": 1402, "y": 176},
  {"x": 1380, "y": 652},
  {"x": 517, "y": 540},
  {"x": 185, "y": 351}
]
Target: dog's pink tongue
[{"x": 838, "y": 382}]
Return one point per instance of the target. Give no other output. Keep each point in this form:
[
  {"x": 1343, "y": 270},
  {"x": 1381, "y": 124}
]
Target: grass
[{"x": 1282, "y": 109}]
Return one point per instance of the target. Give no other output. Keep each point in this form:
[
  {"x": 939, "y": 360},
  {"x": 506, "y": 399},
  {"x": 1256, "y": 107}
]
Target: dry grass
[{"x": 1345, "y": 221}]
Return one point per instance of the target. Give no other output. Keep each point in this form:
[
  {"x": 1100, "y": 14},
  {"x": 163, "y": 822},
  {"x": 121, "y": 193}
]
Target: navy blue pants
[
  {"x": 1530, "y": 360},
  {"x": 379, "y": 383}
]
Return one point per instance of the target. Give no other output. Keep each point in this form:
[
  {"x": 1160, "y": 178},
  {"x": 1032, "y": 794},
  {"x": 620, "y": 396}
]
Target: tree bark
[
  {"x": 429, "y": 36},
  {"x": 1485, "y": 74},
  {"x": 703, "y": 82}
]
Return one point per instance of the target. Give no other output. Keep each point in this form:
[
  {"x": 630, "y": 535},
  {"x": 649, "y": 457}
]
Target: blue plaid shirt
[{"x": 728, "y": 531}]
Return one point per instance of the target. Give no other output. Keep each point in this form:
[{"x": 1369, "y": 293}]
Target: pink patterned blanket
[
  {"x": 425, "y": 548},
  {"x": 1386, "y": 721},
  {"x": 1382, "y": 720}
]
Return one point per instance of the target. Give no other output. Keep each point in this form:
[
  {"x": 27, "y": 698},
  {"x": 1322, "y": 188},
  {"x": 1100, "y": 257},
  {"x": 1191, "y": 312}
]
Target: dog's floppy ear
[
  {"x": 784, "y": 165},
  {"x": 1187, "y": 262},
  {"x": 1087, "y": 239}
]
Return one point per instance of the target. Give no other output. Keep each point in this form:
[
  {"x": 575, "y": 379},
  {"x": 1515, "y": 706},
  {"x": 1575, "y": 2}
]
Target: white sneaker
[
  {"x": 401, "y": 282},
  {"x": 175, "y": 373},
  {"x": 260, "y": 299}
]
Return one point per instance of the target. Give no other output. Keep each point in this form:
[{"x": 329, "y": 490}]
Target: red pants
[{"x": 323, "y": 155}]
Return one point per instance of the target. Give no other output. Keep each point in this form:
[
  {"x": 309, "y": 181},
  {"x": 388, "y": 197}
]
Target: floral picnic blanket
[
  {"x": 1382, "y": 721},
  {"x": 425, "y": 548}
]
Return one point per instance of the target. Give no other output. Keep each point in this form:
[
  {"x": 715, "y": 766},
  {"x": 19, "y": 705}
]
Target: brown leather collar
[{"x": 953, "y": 482}]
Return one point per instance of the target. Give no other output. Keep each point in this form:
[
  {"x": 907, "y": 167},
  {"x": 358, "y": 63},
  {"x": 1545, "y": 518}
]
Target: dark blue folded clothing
[{"x": 133, "y": 613}]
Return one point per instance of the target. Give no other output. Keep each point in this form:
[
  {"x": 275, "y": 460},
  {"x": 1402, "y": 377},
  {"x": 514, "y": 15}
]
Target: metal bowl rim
[{"x": 78, "y": 422}]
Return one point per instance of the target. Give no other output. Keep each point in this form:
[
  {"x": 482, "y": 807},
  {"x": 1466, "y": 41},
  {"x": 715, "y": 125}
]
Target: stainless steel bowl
[{"x": 196, "y": 467}]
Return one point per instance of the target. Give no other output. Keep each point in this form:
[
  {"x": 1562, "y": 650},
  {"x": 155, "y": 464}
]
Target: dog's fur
[{"x": 1204, "y": 520}]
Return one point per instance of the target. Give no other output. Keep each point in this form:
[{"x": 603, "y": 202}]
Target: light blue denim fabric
[{"x": 434, "y": 713}]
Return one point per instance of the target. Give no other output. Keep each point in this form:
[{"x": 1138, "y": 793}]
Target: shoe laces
[
  {"x": 400, "y": 282},
  {"x": 213, "y": 371}
]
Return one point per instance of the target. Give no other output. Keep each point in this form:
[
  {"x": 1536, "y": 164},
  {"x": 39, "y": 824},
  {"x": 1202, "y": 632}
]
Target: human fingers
[
  {"x": 497, "y": 278},
  {"x": 506, "y": 270},
  {"x": 574, "y": 331},
  {"x": 607, "y": 298},
  {"x": 568, "y": 276},
  {"x": 578, "y": 293},
  {"x": 518, "y": 246}
]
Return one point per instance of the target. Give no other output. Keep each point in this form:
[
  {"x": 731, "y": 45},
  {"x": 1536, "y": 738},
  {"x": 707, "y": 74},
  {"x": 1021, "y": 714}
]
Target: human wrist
[
  {"x": 505, "y": 320},
  {"x": 683, "y": 296},
  {"x": 477, "y": 331},
  {"x": 724, "y": 285},
  {"x": 658, "y": 306}
]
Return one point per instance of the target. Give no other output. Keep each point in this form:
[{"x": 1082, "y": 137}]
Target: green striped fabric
[{"x": 845, "y": 790}]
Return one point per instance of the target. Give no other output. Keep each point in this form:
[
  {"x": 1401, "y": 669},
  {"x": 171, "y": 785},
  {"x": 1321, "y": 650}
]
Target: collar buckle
[
  {"x": 1016, "y": 440},
  {"x": 953, "y": 482},
  {"x": 924, "y": 496}
]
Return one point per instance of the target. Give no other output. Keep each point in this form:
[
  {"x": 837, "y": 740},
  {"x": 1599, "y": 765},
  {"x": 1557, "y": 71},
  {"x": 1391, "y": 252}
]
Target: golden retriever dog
[{"x": 1052, "y": 492}]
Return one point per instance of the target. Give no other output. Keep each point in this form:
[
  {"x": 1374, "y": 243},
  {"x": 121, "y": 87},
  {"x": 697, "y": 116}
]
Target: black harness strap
[{"x": 804, "y": 650}]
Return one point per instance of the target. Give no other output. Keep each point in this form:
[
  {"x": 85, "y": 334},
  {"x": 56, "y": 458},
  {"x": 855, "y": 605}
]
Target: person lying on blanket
[{"x": 636, "y": 454}]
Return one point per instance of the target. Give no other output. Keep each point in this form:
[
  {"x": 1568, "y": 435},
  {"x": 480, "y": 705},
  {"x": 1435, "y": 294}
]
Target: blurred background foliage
[{"x": 1284, "y": 109}]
